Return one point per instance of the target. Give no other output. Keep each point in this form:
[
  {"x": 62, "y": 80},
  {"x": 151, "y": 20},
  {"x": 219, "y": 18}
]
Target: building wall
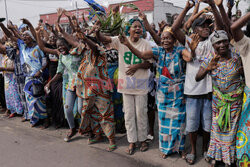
[{"x": 162, "y": 8}]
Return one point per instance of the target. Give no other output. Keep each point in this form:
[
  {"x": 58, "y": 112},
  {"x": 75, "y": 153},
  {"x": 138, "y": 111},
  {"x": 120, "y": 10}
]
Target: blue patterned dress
[
  {"x": 33, "y": 61},
  {"x": 170, "y": 100}
]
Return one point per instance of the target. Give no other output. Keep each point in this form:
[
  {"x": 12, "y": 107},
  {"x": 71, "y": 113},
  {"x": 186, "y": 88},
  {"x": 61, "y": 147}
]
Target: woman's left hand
[{"x": 131, "y": 69}]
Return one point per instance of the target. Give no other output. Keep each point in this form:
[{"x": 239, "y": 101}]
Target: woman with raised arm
[
  {"x": 199, "y": 94},
  {"x": 54, "y": 96},
  {"x": 170, "y": 92},
  {"x": 94, "y": 86},
  {"x": 16, "y": 56},
  {"x": 133, "y": 83},
  {"x": 33, "y": 67},
  {"x": 13, "y": 101},
  {"x": 225, "y": 68},
  {"x": 69, "y": 60}
]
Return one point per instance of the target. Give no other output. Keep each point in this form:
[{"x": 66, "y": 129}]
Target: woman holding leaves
[
  {"x": 170, "y": 92},
  {"x": 132, "y": 83}
]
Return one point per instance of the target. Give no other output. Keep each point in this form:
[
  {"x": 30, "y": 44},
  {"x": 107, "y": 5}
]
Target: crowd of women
[{"x": 189, "y": 72}]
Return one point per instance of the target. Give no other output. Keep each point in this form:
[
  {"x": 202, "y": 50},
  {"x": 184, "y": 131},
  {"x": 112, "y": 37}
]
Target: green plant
[{"x": 113, "y": 23}]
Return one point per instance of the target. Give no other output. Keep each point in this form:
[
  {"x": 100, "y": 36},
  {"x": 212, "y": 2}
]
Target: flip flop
[
  {"x": 111, "y": 148},
  {"x": 190, "y": 159},
  {"x": 163, "y": 156},
  {"x": 69, "y": 136},
  {"x": 206, "y": 157},
  {"x": 144, "y": 147},
  {"x": 130, "y": 151},
  {"x": 12, "y": 115},
  {"x": 94, "y": 141}
]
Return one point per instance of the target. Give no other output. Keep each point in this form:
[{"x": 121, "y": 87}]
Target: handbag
[
  {"x": 37, "y": 89},
  {"x": 165, "y": 71}
]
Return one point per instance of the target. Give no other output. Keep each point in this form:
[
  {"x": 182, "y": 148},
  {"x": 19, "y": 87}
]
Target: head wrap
[
  {"x": 129, "y": 24},
  {"x": 22, "y": 26},
  {"x": 30, "y": 34},
  {"x": 217, "y": 36}
]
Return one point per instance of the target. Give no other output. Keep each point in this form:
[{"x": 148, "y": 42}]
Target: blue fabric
[
  {"x": 170, "y": 101},
  {"x": 97, "y": 7},
  {"x": 36, "y": 105},
  {"x": 31, "y": 59},
  {"x": 243, "y": 133},
  {"x": 116, "y": 97}
]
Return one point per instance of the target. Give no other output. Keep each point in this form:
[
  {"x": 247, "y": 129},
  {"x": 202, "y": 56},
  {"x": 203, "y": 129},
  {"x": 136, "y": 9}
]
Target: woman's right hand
[
  {"x": 123, "y": 39},
  {"x": 213, "y": 63}
]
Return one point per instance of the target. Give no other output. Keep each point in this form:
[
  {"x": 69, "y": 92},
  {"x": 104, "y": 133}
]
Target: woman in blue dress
[{"x": 170, "y": 91}]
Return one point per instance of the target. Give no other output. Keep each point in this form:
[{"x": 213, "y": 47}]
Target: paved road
[{"x": 31, "y": 147}]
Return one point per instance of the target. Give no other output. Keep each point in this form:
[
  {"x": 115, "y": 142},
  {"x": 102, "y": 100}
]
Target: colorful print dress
[
  {"x": 13, "y": 100},
  {"x": 226, "y": 107},
  {"x": 243, "y": 133},
  {"x": 94, "y": 86},
  {"x": 170, "y": 100}
]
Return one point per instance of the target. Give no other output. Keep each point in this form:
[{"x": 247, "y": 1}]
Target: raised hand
[
  {"x": 10, "y": 25},
  {"x": 115, "y": 9},
  {"x": 60, "y": 12},
  {"x": 190, "y": 4},
  {"x": 162, "y": 24},
  {"x": 194, "y": 43},
  {"x": 142, "y": 15},
  {"x": 229, "y": 5},
  {"x": 213, "y": 63},
  {"x": 66, "y": 13},
  {"x": 123, "y": 39},
  {"x": 218, "y": 2},
  {"x": 25, "y": 21}
]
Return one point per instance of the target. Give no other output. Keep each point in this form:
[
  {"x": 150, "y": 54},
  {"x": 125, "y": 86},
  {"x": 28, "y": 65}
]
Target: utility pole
[{"x": 6, "y": 11}]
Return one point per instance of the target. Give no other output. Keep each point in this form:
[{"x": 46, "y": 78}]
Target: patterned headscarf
[{"x": 30, "y": 34}]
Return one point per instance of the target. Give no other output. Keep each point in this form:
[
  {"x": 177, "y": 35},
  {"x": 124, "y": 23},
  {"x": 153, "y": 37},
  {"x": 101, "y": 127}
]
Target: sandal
[
  {"x": 24, "y": 119},
  {"x": 163, "y": 156},
  {"x": 131, "y": 151},
  {"x": 190, "y": 159},
  {"x": 94, "y": 141},
  {"x": 12, "y": 115},
  {"x": 144, "y": 146},
  {"x": 111, "y": 148},
  {"x": 70, "y": 135},
  {"x": 183, "y": 154},
  {"x": 206, "y": 157}
]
